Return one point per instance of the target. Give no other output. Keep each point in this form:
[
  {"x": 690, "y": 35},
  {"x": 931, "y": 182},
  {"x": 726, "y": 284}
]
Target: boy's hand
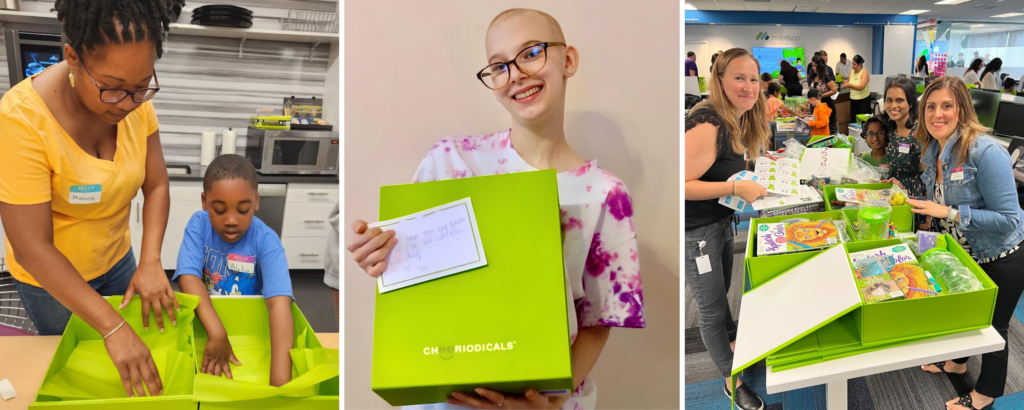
[
  {"x": 494, "y": 400},
  {"x": 216, "y": 356},
  {"x": 150, "y": 282},
  {"x": 370, "y": 247}
]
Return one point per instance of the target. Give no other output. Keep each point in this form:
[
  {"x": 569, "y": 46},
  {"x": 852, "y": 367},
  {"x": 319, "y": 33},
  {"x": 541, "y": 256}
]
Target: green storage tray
[
  {"x": 915, "y": 319},
  {"x": 761, "y": 269},
  {"x": 91, "y": 382},
  {"x": 247, "y": 323}
]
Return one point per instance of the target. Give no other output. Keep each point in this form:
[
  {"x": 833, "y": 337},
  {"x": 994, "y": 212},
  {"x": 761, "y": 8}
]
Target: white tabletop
[{"x": 962, "y": 344}]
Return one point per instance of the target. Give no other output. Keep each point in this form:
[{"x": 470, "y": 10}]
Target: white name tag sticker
[
  {"x": 1006, "y": 97},
  {"x": 85, "y": 194},
  {"x": 904, "y": 148},
  {"x": 957, "y": 174},
  {"x": 242, "y": 263}
]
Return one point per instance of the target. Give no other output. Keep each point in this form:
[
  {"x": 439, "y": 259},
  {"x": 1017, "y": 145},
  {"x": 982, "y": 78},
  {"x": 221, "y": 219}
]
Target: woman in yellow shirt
[{"x": 79, "y": 140}]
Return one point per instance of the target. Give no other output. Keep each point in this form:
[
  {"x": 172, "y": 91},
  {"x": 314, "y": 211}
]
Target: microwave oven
[
  {"x": 31, "y": 52},
  {"x": 292, "y": 151}
]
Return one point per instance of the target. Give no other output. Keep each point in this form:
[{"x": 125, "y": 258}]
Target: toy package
[
  {"x": 880, "y": 289},
  {"x": 901, "y": 265},
  {"x": 852, "y": 196},
  {"x": 799, "y": 235}
]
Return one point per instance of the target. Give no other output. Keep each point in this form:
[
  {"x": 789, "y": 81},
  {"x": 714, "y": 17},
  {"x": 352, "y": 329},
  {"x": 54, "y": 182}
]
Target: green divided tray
[
  {"x": 899, "y": 320},
  {"x": 315, "y": 372},
  {"x": 81, "y": 375},
  {"x": 877, "y": 326},
  {"x": 761, "y": 269}
]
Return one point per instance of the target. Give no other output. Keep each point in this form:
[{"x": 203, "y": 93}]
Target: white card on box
[{"x": 432, "y": 244}]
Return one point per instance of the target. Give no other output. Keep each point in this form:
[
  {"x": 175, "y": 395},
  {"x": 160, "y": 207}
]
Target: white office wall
[
  {"x": 834, "y": 40},
  {"x": 898, "y": 54}
]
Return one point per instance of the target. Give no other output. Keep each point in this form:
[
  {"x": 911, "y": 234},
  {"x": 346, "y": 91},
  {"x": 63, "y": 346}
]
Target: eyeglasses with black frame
[
  {"x": 529, "y": 61},
  {"x": 111, "y": 95}
]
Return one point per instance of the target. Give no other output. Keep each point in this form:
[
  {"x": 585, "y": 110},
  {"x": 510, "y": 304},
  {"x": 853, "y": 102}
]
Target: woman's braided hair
[{"x": 89, "y": 24}]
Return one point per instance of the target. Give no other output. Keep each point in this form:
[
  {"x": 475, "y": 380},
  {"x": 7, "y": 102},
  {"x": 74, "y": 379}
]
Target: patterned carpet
[{"x": 898, "y": 390}]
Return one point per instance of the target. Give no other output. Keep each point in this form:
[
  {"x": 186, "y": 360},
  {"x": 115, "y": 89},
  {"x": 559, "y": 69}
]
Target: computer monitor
[
  {"x": 1009, "y": 120},
  {"x": 986, "y": 105}
]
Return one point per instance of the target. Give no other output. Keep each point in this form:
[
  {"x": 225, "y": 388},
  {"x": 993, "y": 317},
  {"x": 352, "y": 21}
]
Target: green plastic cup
[{"x": 873, "y": 223}]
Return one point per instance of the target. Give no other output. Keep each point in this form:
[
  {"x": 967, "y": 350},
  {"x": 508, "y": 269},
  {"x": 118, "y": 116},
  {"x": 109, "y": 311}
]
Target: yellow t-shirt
[{"x": 90, "y": 197}]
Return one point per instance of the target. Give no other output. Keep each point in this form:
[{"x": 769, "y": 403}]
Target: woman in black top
[
  {"x": 718, "y": 132},
  {"x": 826, "y": 85},
  {"x": 791, "y": 79}
]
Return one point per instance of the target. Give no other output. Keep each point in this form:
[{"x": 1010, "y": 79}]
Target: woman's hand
[
  {"x": 370, "y": 247},
  {"x": 770, "y": 156},
  {"x": 150, "y": 282},
  {"x": 134, "y": 363},
  {"x": 750, "y": 190},
  {"x": 845, "y": 85},
  {"x": 217, "y": 355},
  {"x": 494, "y": 400},
  {"x": 929, "y": 208}
]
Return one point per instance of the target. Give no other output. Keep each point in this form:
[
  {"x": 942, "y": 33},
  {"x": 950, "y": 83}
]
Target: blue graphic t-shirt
[{"x": 254, "y": 265}]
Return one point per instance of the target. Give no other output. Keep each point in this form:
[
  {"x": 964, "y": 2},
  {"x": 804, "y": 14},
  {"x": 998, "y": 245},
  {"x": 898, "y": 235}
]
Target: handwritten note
[{"x": 432, "y": 244}]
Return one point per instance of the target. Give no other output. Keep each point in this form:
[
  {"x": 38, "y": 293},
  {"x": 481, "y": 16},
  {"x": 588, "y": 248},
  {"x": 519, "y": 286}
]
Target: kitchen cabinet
[
  {"x": 186, "y": 199},
  {"x": 306, "y": 226}
]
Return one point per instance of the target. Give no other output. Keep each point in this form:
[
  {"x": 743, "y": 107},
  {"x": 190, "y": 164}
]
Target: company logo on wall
[{"x": 763, "y": 35}]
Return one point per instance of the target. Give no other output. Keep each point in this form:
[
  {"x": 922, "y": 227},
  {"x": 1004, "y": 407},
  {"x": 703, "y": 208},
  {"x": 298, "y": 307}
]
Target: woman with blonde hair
[
  {"x": 972, "y": 197},
  {"x": 719, "y": 131}
]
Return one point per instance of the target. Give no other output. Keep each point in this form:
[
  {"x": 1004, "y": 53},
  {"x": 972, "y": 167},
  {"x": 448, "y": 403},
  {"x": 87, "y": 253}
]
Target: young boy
[
  {"x": 227, "y": 251},
  {"x": 877, "y": 138},
  {"x": 1008, "y": 85},
  {"x": 819, "y": 126}
]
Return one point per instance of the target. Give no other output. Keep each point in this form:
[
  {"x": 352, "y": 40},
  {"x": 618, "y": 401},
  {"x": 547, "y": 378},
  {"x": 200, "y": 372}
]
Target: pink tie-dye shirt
[{"x": 600, "y": 251}]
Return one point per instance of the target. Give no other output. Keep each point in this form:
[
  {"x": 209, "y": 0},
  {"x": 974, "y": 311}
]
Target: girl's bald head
[{"x": 556, "y": 29}]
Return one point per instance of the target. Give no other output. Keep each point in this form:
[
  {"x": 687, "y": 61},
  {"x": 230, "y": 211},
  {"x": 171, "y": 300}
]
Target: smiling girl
[
  {"x": 972, "y": 197},
  {"x": 528, "y": 66}
]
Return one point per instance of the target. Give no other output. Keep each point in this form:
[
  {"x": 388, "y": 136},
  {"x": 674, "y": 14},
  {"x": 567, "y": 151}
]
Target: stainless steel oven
[
  {"x": 31, "y": 51},
  {"x": 292, "y": 151}
]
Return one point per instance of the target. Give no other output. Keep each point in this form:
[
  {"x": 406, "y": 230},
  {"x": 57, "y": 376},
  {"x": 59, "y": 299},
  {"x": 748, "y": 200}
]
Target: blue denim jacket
[{"x": 990, "y": 216}]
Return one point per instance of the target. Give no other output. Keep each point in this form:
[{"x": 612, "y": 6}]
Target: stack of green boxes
[
  {"x": 82, "y": 376},
  {"x": 867, "y": 327}
]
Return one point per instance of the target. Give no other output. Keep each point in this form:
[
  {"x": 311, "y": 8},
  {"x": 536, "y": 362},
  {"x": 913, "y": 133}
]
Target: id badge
[
  {"x": 703, "y": 264},
  {"x": 85, "y": 194},
  {"x": 242, "y": 263},
  {"x": 957, "y": 174},
  {"x": 904, "y": 148}
]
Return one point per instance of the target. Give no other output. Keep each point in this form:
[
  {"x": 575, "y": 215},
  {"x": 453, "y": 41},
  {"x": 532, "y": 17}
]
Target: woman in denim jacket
[{"x": 976, "y": 203}]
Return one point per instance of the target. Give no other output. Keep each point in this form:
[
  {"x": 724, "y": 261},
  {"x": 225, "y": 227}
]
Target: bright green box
[
  {"x": 877, "y": 326},
  {"x": 90, "y": 381},
  {"x": 899, "y": 320},
  {"x": 761, "y": 269},
  {"x": 247, "y": 323},
  {"x": 511, "y": 313},
  {"x": 902, "y": 216}
]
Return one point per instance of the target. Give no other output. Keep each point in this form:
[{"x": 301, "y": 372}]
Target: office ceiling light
[
  {"x": 914, "y": 12},
  {"x": 951, "y": 2},
  {"x": 978, "y": 25},
  {"x": 688, "y": 6},
  {"x": 1008, "y": 15}
]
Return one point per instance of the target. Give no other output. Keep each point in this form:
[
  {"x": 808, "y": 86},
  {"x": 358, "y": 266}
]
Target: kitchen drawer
[
  {"x": 305, "y": 253},
  {"x": 306, "y": 220},
  {"x": 312, "y": 193}
]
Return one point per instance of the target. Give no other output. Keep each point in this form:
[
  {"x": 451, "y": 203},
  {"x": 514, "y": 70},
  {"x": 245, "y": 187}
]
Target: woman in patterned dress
[
  {"x": 904, "y": 152},
  {"x": 600, "y": 249},
  {"x": 973, "y": 198}
]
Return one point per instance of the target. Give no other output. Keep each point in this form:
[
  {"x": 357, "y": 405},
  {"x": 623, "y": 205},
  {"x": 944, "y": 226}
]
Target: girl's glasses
[
  {"x": 528, "y": 61},
  {"x": 112, "y": 95},
  {"x": 873, "y": 134}
]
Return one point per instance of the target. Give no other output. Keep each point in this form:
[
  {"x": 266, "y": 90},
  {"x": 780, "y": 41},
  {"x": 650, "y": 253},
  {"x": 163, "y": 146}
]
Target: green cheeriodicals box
[
  {"x": 503, "y": 326},
  {"x": 81, "y": 375},
  {"x": 315, "y": 372}
]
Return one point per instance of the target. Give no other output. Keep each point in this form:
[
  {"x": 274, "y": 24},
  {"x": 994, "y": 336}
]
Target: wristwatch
[{"x": 953, "y": 212}]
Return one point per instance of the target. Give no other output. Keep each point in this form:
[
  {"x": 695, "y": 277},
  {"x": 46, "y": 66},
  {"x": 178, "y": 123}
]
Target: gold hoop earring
[{"x": 71, "y": 77}]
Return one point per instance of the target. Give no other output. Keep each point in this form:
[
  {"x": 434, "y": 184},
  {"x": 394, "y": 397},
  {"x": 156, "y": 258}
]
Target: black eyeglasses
[
  {"x": 529, "y": 61},
  {"x": 112, "y": 95},
  {"x": 873, "y": 134}
]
